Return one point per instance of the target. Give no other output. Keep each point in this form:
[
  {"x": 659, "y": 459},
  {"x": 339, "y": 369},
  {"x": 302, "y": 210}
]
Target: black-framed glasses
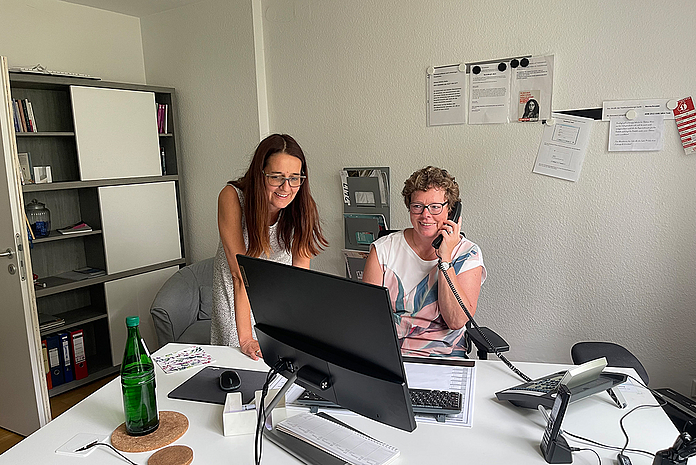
[
  {"x": 277, "y": 180},
  {"x": 433, "y": 208}
]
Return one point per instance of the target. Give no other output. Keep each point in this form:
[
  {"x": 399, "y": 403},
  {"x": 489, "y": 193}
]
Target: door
[{"x": 24, "y": 405}]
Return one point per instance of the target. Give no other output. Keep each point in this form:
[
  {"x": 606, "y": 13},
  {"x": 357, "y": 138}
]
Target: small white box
[{"x": 236, "y": 420}]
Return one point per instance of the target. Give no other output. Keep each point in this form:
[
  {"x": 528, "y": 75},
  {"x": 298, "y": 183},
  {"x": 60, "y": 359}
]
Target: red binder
[
  {"x": 47, "y": 368},
  {"x": 78, "y": 352}
]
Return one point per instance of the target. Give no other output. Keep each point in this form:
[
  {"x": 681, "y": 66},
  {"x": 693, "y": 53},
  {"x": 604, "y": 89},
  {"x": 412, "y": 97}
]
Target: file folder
[
  {"x": 77, "y": 345},
  {"x": 47, "y": 367},
  {"x": 54, "y": 362},
  {"x": 65, "y": 358}
]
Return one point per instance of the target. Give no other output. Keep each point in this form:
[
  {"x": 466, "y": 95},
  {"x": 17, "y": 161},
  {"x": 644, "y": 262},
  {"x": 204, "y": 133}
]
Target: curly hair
[{"x": 430, "y": 177}]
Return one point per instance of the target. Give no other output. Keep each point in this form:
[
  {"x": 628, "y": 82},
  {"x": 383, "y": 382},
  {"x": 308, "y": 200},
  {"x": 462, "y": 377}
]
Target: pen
[{"x": 249, "y": 407}]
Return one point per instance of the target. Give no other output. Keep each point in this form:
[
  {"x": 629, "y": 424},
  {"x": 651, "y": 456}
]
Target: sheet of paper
[
  {"x": 685, "y": 117},
  {"x": 489, "y": 93},
  {"x": 651, "y": 107},
  {"x": 445, "y": 378},
  {"x": 183, "y": 359},
  {"x": 563, "y": 146},
  {"x": 446, "y": 96},
  {"x": 642, "y": 134},
  {"x": 531, "y": 89}
]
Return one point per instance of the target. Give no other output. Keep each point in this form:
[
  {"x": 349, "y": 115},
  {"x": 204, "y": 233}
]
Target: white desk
[{"x": 501, "y": 433}]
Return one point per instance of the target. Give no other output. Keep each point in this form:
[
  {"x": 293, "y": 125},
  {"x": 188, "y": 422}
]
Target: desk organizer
[{"x": 236, "y": 420}]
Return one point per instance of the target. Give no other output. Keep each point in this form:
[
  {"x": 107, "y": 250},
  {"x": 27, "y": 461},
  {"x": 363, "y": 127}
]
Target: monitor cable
[
  {"x": 279, "y": 366},
  {"x": 476, "y": 326}
]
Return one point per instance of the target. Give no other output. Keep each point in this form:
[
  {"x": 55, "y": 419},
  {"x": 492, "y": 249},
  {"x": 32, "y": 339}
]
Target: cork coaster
[
  {"x": 172, "y": 455},
  {"x": 172, "y": 426}
]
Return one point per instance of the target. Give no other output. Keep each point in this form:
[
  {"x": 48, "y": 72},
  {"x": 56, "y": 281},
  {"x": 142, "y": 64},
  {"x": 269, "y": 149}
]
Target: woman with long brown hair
[{"x": 269, "y": 213}]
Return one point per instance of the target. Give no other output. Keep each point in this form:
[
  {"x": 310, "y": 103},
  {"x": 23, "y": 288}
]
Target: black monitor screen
[{"x": 338, "y": 334}]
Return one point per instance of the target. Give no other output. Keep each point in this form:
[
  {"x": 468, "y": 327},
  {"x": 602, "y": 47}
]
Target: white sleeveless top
[{"x": 223, "y": 329}]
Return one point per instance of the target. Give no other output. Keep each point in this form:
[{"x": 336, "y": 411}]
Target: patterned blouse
[{"x": 412, "y": 284}]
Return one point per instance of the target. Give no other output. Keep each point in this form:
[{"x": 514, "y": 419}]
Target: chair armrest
[{"x": 175, "y": 306}]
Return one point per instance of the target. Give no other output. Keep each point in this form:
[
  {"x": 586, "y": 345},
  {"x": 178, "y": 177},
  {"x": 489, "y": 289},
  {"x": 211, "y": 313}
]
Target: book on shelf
[
  {"x": 77, "y": 347},
  {"x": 66, "y": 357},
  {"x": 76, "y": 228},
  {"x": 162, "y": 111},
  {"x": 79, "y": 274},
  {"x": 24, "y": 120},
  {"x": 47, "y": 322}
]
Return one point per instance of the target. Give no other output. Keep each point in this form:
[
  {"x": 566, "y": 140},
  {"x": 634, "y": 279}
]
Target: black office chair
[
  {"x": 482, "y": 347},
  {"x": 617, "y": 356}
]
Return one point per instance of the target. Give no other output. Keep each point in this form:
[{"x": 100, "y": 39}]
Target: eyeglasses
[
  {"x": 433, "y": 208},
  {"x": 277, "y": 180}
]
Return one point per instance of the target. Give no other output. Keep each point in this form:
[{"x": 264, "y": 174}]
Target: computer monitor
[{"x": 337, "y": 333}]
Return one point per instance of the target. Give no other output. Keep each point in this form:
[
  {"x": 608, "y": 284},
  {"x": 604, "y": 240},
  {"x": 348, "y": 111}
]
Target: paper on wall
[
  {"x": 563, "y": 146},
  {"x": 685, "y": 116},
  {"x": 642, "y": 134},
  {"x": 446, "y": 96},
  {"x": 489, "y": 89},
  {"x": 650, "y": 107},
  {"x": 531, "y": 87}
]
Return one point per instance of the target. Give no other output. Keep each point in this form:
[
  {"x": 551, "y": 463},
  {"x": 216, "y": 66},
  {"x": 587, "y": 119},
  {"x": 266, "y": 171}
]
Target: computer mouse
[{"x": 230, "y": 380}]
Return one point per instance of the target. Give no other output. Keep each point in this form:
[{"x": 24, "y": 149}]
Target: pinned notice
[
  {"x": 446, "y": 95},
  {"x": 685, "y": 117},
  {"x": 563, "y": 146}
]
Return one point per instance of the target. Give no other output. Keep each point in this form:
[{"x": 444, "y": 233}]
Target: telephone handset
[{"x": 454, "y": 214}]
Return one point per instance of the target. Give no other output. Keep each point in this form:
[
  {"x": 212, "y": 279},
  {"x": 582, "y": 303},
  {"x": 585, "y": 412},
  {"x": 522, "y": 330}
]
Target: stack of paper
[{"x": 76, "y": 228}]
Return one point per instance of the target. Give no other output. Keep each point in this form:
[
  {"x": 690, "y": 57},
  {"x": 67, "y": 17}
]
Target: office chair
[
  {"x": 482, "y": 347},
  {"x": 617, "y": 356}
]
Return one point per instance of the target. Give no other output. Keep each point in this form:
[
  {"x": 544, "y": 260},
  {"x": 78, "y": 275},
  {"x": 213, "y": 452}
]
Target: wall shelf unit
[{"x": 104, "y": 187}]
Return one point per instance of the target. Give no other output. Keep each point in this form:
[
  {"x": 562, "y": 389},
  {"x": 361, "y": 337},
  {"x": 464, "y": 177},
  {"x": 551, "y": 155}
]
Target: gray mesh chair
[{"x": 181, "y": 309}]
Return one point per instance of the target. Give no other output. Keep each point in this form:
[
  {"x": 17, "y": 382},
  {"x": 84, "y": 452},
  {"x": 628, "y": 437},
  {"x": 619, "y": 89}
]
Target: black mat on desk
[{"x": 204, "y": 386}]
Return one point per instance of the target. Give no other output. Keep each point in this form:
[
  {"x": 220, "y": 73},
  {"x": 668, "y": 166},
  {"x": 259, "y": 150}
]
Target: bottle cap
[{"x": 132, "y": 320}]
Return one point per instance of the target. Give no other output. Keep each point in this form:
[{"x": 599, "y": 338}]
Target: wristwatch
[{"x": 444, "y": 266}]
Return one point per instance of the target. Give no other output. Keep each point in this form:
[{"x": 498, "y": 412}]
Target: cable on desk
[
  {"x": 625, "y": 448},
  {"x": 476, "y": 326},
  {"x": 95, "y": 443},
  {"x": 606, "y": 446},
  {"x": 580, "y": 449}
]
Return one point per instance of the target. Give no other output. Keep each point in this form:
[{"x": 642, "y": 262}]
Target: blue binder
[
  {"x": 54, "y": 360},
  {"x": 65, "y": 358}
]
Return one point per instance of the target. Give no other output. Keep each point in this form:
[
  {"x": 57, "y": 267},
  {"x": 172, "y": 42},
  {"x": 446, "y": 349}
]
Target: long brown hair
[{"x": 298, "y": 231}]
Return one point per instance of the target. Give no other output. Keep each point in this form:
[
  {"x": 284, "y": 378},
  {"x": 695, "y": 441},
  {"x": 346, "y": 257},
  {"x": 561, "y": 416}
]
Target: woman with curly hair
[{"x": 428, "y": 318}]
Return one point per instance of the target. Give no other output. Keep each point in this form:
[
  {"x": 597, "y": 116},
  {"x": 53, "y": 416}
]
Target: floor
[{"x": 59, "y": 404}]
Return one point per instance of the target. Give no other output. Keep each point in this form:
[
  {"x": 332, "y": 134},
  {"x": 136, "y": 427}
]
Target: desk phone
[{"x": 582, "y": 381}]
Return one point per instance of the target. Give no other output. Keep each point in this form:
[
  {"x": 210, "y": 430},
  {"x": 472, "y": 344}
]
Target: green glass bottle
[{"x": 138, "y": 383}]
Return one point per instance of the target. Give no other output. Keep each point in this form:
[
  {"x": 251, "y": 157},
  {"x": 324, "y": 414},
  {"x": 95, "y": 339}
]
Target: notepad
[{"x": 337, "y": 440}]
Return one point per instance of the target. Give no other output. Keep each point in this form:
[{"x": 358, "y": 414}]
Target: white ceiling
[{"x": 138, "y": 8}]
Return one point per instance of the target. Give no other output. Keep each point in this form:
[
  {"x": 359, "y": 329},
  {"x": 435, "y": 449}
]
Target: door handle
[{"x": 8, "y": 253}]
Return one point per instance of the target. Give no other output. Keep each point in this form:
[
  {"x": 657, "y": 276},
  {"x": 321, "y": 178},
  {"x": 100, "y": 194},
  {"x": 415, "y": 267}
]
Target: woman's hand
[
  {"x": 251, "y": 348},
  {"x": 450, "y": 238}
]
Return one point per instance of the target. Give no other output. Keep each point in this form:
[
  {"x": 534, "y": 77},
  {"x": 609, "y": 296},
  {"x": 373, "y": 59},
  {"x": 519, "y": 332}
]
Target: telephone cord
[{"x": 476, "y": 326}]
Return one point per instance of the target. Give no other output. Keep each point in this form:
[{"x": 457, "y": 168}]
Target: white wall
[
  {"x": 610, "y": 257},
  {"x": 206, "y": 52},
  {"x": 67, "y": 37}
]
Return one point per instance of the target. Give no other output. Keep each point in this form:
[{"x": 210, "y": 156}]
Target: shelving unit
[{"x": 95, "y": 304}]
